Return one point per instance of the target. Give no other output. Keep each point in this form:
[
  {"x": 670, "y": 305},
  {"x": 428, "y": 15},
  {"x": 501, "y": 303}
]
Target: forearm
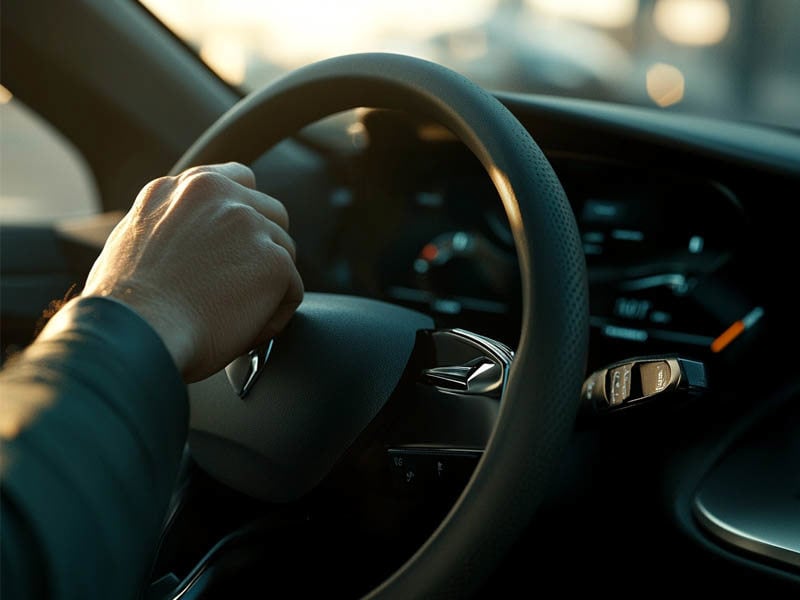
[{"x": 93, "y": 421}]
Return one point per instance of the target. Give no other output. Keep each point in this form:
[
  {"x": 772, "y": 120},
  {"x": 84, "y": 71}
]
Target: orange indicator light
[
  {"x": 727, "y": 336},
  {"x": 736, "y": 329}
]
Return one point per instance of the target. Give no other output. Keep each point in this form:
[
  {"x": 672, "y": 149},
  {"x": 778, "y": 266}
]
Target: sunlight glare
[
  {"x": 292, "y": 33},
  {"x": 226, "y": 56},
  {"x": 601, "y": 13}
]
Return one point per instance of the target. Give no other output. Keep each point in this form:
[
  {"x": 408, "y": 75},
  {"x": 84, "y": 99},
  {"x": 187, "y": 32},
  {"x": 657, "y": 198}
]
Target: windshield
[{"x": 734, "y": 59}]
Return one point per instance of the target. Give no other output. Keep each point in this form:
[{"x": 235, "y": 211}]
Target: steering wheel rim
[{"x": 538, "y": 407}]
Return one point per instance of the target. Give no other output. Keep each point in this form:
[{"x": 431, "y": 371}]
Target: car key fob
[{"x": 640, "y": 380}]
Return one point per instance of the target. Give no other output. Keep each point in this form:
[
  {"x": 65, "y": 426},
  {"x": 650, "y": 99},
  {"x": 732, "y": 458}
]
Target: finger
[
  {"x": 291, "y": 300},
  {"x": 234, "y": 171},
  {"x": 272, "y": 208},
  {"x": 278, "y": 235}
]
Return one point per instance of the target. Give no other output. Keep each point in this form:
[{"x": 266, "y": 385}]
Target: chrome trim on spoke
[
  {"x": 258, "y": 359},
  {"x": 485, "y": 375}
]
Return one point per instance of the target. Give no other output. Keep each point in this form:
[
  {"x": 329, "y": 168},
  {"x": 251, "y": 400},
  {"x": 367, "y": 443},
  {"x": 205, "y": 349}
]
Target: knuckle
[
  {"x": 240, "y": 215},
  {"x": 203, "y": 183},
  {"x": 191, "y": 172},
  {"x": 152, "y": 192},
  {"x": 159, "y": 184}
]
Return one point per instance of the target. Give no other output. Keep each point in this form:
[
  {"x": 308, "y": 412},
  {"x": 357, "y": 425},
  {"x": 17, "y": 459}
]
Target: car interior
[{"x": 495, "y": 386}]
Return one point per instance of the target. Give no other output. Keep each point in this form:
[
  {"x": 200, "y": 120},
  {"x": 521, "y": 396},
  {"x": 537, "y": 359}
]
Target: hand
[{"x": 206, "y": 259}]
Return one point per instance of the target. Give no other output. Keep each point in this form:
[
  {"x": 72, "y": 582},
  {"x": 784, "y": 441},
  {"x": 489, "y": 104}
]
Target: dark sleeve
[{"x": 93, "y": 419}]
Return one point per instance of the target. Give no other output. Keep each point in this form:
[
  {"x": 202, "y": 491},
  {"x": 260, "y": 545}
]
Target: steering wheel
[{"x": 333, "y": 369}]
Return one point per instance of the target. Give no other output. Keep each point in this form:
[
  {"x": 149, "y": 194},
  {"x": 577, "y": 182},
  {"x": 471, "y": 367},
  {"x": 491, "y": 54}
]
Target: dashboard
[{"x": 413, "y": 219}]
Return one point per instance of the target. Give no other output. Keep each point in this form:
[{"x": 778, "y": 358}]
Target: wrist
[{"x": 170, "y": 328}]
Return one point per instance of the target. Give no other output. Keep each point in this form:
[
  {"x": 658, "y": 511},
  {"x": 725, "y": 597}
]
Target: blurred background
[
  {"x": 735, "y": 59},
  {"x": 730, "y": 59}
]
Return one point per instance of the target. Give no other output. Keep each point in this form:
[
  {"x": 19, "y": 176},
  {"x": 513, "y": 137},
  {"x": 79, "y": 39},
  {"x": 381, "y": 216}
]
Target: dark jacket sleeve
[{"x": 93, "y": 419}]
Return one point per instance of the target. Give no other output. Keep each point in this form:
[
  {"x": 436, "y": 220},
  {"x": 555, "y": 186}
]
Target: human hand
[{"x": 206, "y": 259}]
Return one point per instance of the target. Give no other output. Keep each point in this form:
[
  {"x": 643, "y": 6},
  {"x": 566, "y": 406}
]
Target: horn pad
[{"x": 325, "y": 378}]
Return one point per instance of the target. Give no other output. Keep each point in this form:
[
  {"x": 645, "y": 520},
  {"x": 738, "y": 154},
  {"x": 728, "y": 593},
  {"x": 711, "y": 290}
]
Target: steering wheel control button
[
  {"x": 641, "y": 380},
  {"x": 431, "y": 469},
  {"x": 619, "y": 384},
  {"x": 404, "y": 468}
]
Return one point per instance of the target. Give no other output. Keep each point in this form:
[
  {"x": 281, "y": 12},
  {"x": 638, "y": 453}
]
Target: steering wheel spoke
[
  {"x": 449, "y": 396},
  {"x": 434, "y": 429}
]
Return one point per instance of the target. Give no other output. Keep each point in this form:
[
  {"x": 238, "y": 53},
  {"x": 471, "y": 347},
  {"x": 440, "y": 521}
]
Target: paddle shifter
[{"x": 639, "y": 381}]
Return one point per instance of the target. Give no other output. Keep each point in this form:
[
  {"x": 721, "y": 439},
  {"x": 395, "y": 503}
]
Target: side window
[{"x": 43, "y": 177}]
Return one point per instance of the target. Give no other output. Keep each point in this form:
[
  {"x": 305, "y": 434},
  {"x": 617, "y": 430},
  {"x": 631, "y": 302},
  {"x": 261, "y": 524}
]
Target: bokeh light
[
  {"x": 693, "y": 22},
  {"x": 665, "y": 84}
]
